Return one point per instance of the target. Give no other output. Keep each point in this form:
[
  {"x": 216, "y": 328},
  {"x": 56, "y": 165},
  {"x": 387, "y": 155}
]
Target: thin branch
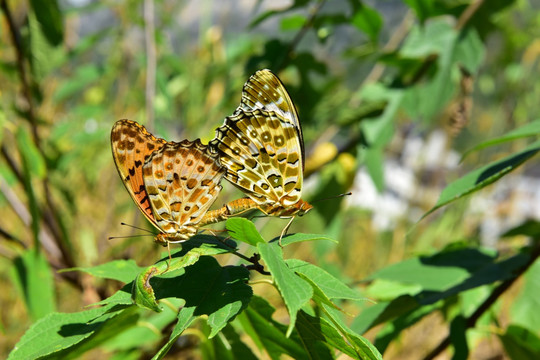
[
  {"x": 19, "y": 208},
  {"x": 149, "y": 34},
  {"x": 468, "y": 13},
  {"x": 488, "y": 303}
]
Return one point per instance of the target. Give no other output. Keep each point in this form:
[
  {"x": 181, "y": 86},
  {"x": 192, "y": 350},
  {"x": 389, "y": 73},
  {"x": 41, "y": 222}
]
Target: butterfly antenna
[
  {"x": 136, "y": 227},
  {"x": 127, "y": 236},
  {"x": 332, "y": 197}
]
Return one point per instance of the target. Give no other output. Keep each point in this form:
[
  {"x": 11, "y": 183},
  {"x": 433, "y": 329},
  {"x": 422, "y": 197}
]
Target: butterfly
[
  {"x": 262, "y": 148},
  {"x": 173, "y": 183}
]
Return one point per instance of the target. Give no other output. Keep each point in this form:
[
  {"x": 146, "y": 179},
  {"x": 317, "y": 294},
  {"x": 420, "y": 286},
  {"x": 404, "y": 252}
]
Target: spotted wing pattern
[
  {"x": 261, "y": 145},
  {"x": 131, "y": 146},
  {"x": 182, "y": 181},
  {"x": 173, "y": 184}
]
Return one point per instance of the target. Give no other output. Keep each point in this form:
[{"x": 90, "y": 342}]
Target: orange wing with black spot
[
  {"x": 182, "y": 181},
  {"x": 173, "y": 184},
  {"x": 131, "y": 146}
]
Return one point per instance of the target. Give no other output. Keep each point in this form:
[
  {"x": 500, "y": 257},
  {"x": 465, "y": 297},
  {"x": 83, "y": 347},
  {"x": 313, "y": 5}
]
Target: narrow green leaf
[
  {"x": 295, "y": 291},
  {"x": 484, "y": 176},
  {"x": 50, "y": 18},
  {"x": 294, "y": 238},
  {"x": 35, "y": 279},
  {"x": 185, "y": 319},
  {"x": 121, "y": 270},
  {"x": 243, "y": 230},
  {"x": 530, "y": 129}
]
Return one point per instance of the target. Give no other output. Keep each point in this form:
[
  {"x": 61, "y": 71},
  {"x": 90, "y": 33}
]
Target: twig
[
  {"x": 18, "y": 207},
  {"x": 149, "y": 34},
  {"x": 486, "y": 305}
]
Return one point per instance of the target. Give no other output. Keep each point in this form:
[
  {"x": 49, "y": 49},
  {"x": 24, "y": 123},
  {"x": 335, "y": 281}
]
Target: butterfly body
[{"x": 172, "y": 183}]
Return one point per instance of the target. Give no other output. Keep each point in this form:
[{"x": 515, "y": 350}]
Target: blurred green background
[{"x": 388, "y": 99}]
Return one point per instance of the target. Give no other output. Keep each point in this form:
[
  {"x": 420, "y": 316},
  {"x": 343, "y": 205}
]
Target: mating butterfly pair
[{"x": 259, "y": 149}]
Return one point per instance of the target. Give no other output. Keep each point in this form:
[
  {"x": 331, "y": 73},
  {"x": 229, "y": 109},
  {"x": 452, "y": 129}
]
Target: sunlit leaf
[
  {"x": 295, "y": 291},
  {"x": 484, "y": 176}
]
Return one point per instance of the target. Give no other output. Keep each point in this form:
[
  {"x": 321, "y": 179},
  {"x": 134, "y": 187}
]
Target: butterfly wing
[
  {"x": 182, "y": 180},
  {"x": 265, "y": 91},
  {"x": 261, "y": 144},
  {"x": 131, "y": 146}
]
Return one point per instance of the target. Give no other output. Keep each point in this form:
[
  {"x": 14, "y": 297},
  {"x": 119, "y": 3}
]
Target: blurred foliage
[{"x": 390, "y": 94}]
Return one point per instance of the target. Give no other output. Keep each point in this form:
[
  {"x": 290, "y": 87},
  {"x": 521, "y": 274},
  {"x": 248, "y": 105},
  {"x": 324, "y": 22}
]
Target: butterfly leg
[{"x": 285, "y": 229}]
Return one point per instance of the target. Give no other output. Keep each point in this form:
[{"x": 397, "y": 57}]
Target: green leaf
[
  {"x": 437, "y": 38},
  {"x": 313, "y": 340},
  {"x": 143, "y": 292},
  {"x": 185, "y": 319},
  {"x": 313, "y": 330},
  {"x": 58, "y": 331},
  {"x": 34, "y": 276},
  {"x": 422, "y": 8},
  {"x": 368, "y": 20},
  {"x": 524, "y": 307},
  {"x": 219, "y": 292},
  {"x": 470, "y": 50},
  {"x": 484, "y": 176},
  {"x": 295, "y": 291},
  {"x": 294, "y": 238},
  {"x": 527, "y": 130},
  {"x": 238, "y": 348},
  {"x": 121, "y": 270},
  {"x": 332, "y": 287},
  {"x": 50, "y": 18},
  {"x": 243, "y": 230},
  {"x": 430, "y": 276},
  {"x": 521, "y": 343},
  {"x": 267, "y": 333}
]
